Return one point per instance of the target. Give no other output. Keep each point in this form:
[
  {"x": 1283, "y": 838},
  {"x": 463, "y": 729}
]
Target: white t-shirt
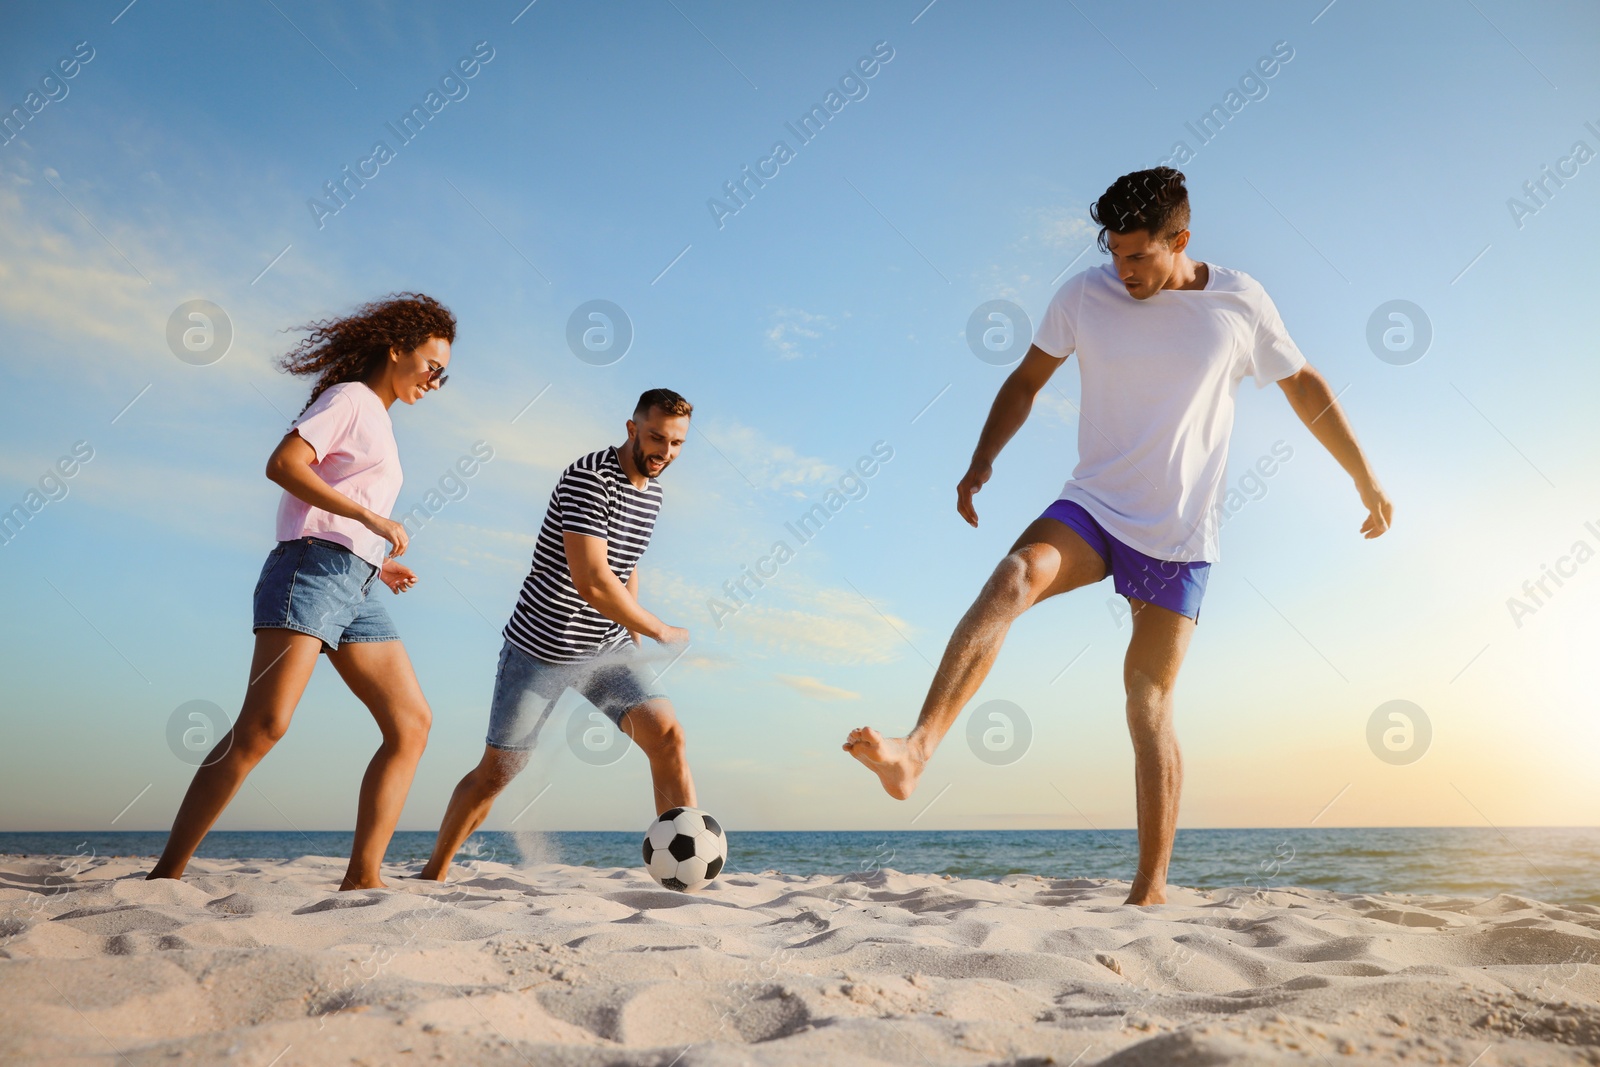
[
  {"x": 349, "y": 429},
  {"x": 1159, "y": 380}
]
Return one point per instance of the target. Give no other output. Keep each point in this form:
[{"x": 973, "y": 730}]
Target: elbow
[
  {"x": 1019, "y": 384},
  {"x": 586, "y": 586},
  {"x": 279, "y": 469}
]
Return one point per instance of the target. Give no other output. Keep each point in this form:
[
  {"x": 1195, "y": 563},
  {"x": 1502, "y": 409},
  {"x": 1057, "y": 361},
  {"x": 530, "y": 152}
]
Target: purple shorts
[{"x": 1165, "y": 583}]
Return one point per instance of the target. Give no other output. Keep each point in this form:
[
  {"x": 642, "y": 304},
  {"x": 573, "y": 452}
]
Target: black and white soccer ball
[{"x": 684, "y": 849}]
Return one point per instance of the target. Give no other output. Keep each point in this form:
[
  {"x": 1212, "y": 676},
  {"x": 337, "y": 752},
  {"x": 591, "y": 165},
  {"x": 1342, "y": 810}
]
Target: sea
[{"x": 1557, "y": 865}]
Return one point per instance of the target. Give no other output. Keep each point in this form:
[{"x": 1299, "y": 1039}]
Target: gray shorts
[{"x": 526, "y": 689}]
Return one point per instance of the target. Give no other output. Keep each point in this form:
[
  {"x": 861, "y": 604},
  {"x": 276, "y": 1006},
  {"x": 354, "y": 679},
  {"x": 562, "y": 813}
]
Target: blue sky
[{"x": 826, "y": 315}]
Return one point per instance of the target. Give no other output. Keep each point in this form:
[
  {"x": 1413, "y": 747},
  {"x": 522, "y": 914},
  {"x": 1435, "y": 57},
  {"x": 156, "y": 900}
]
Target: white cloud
[
  {"x": 74, "y": 265},
  {"x": 1048, "y": 240},
  {"x": 791, "y": 327},
  {"x": 790, "y": 616},
  {"x": 767, "y": 464},
  {"x": 1063, "y": 229},
  {"x": 811, "y": 687}
]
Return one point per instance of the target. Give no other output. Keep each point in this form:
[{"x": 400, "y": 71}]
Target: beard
[{"x": 640, "y": 461}]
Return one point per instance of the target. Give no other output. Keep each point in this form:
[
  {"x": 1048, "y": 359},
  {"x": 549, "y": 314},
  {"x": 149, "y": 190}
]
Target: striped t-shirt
[{"x": 593, "y": 496}]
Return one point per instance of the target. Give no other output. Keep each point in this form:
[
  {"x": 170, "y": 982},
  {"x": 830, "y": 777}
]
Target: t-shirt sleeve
[
  {"x": 1057, "y": 334},
  {"x": 327, "y": 423},
  {"x": 1274, "y": 354},
  {"x": 585, "y": 505}
]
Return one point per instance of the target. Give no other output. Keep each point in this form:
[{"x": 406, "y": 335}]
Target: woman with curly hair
[{"x": 340, "y": 473}]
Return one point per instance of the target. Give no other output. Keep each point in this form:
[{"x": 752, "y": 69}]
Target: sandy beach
[{"x": 263, "y": 963}]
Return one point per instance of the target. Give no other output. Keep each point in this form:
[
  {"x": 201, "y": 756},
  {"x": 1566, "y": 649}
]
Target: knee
[
  {"x": 410, "y": 730},
  {"x": 252, "y": 741},
  {"x": 1148, "y": 706},
  {"x": 490, "y": 779},
  {"x": 663, "y": 739},
  {"x": 1013, "y": 585}
]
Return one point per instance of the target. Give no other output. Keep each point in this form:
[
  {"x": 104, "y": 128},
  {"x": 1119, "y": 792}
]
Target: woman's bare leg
[
  {"x": 279, "y": 671},
  {"x": 379, "y": 673}
]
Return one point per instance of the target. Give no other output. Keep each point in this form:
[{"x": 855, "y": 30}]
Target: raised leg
[
  {"x": 1048, "y": 558},
  {"x": 654, "y": 727},
  {"x": 470, "y": 804},
  {"x": 279, "y": 670},
  {"x": 1150, "y": 673},
  {"x": 379, "y": 673}
]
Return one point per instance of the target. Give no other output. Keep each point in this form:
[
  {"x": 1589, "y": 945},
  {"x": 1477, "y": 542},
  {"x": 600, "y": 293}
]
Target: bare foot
[
  {"x": 890, "y": 758},
  {"x": 1145, "y": 895},
  {"x": 347, "y": 884}
]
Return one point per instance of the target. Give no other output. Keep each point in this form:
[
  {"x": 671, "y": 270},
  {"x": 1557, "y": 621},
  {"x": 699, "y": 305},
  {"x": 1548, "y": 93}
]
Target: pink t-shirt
[{"x": 349, "y": 429}]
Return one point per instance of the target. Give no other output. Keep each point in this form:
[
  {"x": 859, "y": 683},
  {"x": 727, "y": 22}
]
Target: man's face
[
  {"x": 1145, "y": 264},
  {"x": 656, "y": 439}
]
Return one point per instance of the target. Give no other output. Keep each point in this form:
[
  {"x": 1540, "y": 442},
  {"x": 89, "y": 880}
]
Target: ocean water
[{"x": 1557, "y": 865}]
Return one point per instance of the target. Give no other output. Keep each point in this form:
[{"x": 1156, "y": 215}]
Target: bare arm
[
  {"x": 1313, "y": 400},
  {"x": 290, "y": 467},
  {"x": 633, "y": 591},
  {"x": 597, "y": 584},
  {"x": 1006, "y": 415}
]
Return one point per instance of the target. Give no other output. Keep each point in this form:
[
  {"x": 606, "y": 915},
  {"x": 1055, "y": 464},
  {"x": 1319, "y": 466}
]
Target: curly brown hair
[{"x": 352, "y": 348}]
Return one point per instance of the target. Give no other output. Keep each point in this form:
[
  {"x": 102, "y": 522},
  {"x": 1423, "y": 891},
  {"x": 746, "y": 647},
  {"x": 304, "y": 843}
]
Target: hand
[
  {"x": 976, "y": 475},
  {"x": 673, "y": 635},
  {"x": 397, "y": 576},
  {"x": 390, "y": 531},
  {"x": 1380, "y": 511}
]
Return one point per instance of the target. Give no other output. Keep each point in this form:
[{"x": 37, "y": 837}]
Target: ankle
[{"x": 919, "y": 746}]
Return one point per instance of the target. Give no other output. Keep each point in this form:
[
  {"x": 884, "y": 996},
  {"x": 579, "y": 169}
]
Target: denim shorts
[
  {"x": 323, "y": 589},
  {"x": 526, "y": 689},
  {"x": 1165, "y": 583}
]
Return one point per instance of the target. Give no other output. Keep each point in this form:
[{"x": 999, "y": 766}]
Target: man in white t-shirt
[{"x": 1163, "y": 342}]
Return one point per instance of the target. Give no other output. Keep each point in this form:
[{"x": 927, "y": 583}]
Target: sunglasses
[{"x": 436, "y": 374}]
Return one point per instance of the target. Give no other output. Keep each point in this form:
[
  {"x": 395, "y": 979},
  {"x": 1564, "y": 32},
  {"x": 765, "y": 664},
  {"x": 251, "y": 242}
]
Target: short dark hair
[
  {"x": 665, "y": 399},
  {"x": 1154, "y": 200}
]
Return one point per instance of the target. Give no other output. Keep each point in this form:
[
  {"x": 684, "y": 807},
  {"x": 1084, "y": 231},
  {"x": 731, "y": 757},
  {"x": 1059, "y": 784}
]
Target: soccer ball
[{"x": 684, "y": 849}]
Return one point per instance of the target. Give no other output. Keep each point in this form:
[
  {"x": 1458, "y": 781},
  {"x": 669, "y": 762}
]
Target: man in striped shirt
[{"x": 578, "y": 623}]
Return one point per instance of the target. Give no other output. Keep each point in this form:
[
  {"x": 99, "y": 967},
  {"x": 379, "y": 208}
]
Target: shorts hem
[
  {"x": 640, "y": 702},
  {"x": 332, "y": 645},
  {"x": 368, "y": 640},
  {"x": 508, "y": 748},
  {"x": 1194, "y": 618}
]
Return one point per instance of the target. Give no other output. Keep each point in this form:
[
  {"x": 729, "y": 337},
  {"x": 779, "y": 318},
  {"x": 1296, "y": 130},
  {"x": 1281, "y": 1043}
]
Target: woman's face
[{"x": 416, "y": 372}]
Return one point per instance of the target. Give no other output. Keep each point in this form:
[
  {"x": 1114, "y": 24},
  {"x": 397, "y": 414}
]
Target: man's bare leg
[
  {"x": 654, "y": 727},
  {"x": 1048, "y": 558},
  {"x": 1149, "y": 673},
  {"x": 470, "y": 805}
]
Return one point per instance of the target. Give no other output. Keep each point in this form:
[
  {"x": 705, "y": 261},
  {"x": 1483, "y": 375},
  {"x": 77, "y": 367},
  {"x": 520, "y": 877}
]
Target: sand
[{"x": 263, "y": 963}]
